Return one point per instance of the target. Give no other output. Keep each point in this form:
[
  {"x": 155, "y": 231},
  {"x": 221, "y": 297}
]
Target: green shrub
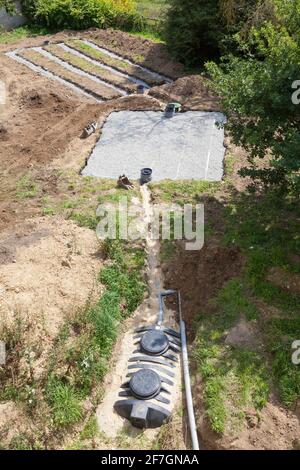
[
  {"x": 8, "y": 5},
  {"x": 82, "y": 14}
]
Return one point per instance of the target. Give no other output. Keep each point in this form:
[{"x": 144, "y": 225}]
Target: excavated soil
[
  {"x": 48, "y": 268},
  {"x": 275, "y": 428},
  {"x": 192, "y": 92},
  {"x": 200, "y": 275}
]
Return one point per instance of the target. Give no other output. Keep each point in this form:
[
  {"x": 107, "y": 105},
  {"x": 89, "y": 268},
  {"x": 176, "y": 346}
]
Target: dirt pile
[
  {"x": 48, "y": 269},
  {"x": 139, "y": 50},
  {"x": 192, "y": 92},
  {"x": 274, "y": 428},
  {"x": 200, "y": 275}
]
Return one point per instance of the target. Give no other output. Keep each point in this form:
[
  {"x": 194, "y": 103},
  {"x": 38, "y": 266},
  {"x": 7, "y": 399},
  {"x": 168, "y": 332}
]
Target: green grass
[
  {"x": 90, "y": 429},
  {"x": 183, "y": 192},
  {"x": 26, "y": 187},
  {"x": 80, "y": 197},
  {"x": 64, "y": 402},
  {"x": 152, "y": 9},
  {"x": 234, "y": 378},
  {"x": 22, "y": 32},
  {"x": 24, "y": 442},
  {"x": 151, "y": 33},
  {"x": 153, "y": 12},
  {"x": 268, "y": 233},
  {"x": 265, "y": 227}
]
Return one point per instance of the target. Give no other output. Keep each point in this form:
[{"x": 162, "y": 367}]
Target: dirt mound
[
  {"x": 53, "y": 101},
  {"x": 244, "y": 334},
  {"x": 32, "y": 99},
  {"x": 48, "y": 269},
  {"x": 285, "y": 280},
  {"x": 274, "y": 428},
  {"x": 139, "y": 50},
  {"x": 200, "y": 275},
  {"x": 192, "y": 92}
]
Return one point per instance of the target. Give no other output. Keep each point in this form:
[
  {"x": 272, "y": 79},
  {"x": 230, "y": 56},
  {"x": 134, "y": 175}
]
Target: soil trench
[{"x": 109, "y": 422}]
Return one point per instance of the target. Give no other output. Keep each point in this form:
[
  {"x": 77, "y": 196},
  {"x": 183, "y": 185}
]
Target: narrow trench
[{"x": 109, "y": 422}]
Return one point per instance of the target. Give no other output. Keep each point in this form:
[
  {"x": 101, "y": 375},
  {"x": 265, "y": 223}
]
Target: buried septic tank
[{"x": 188, "y": 146}]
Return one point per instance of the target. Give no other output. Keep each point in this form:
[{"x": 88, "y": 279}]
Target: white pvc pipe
[{"x": 187, "y": 381}]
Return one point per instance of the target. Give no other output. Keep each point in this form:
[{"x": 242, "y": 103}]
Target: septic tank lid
[
  {"x": 154, "y": 342},
  {"x": 145, "y": 384}
]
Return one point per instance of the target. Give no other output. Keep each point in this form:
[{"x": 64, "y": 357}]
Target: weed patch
[
  {"x": 23, "y": 32},
  {"x": 26, "y": 187},
  {"x": 64, "y": 402},
  {"x": 234, "y": 378},
  {"x": 183, "y": 192}
]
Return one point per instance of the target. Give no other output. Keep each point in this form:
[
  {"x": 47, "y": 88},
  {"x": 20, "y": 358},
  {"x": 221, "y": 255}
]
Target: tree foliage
[
  {"x": 8, "y": 5},
  {"x": 257, "y": 91},
  {"x": 197, "y": 30}
]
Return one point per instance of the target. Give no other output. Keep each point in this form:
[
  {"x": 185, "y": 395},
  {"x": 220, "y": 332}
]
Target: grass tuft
[{"x": 64, "y": 402}]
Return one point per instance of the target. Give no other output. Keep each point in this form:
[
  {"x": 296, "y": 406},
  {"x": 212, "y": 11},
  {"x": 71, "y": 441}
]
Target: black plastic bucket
[
  {"x": 141, "y": 89},
  {"x": 170, "y": 111},
  {"x": 146, "y": 175}
]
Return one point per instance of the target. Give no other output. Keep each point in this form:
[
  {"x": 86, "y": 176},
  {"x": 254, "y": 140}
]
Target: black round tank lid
[
  {"x": 154, "y": 342},
  {"x": 145, "y": 384}
]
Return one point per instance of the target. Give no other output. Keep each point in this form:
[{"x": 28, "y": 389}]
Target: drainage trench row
[{"x": 70, "y": 66}]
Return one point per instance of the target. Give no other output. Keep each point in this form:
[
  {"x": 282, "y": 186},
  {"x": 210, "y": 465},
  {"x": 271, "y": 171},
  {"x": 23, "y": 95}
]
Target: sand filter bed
[{"x": 188, "y": 146}]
